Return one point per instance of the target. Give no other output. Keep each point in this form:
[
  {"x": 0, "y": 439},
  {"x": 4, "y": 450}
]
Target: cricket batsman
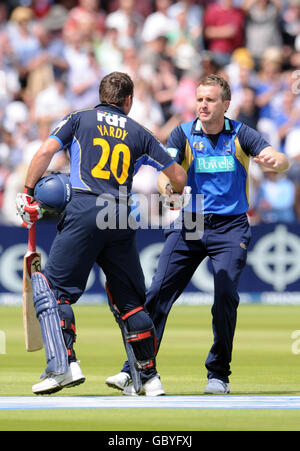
[{"x": 104, "y": 145}]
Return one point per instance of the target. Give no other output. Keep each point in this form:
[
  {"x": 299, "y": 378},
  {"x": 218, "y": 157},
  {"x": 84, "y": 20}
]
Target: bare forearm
[
  {"x": 273, "y": 160},
  {"x": 162, "y": 181},
  {"x": 220, "y": 32},
  {"x": 283, "y": 162},
  {"x": 41, "y": 161},
  {"x": 175, "y": 175}
]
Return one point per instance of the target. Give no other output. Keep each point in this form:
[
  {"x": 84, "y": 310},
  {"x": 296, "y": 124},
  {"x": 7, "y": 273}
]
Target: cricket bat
[{"x": 32, "y": 263}]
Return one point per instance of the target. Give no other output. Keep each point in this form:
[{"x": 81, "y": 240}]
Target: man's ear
[
  {"x": 128, "y": 103},
  {"x": 226, "y": 104}
]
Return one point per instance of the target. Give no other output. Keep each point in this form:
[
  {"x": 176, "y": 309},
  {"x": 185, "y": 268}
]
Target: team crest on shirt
[
  {"x": 227, "y": 146},
  {"x": 199, "y": 145}
]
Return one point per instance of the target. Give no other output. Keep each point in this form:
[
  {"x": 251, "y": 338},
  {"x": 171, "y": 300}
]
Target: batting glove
[
  {"x": 177, "y": 201},
  {"x": 27, "y": 209}
]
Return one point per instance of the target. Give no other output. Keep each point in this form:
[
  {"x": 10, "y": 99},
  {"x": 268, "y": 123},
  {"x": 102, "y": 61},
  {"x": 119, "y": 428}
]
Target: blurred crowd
[{"x": 54, "y": 53}]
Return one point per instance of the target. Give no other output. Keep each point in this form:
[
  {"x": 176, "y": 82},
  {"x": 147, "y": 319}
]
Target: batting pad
[{"x": 46, "y": 310}]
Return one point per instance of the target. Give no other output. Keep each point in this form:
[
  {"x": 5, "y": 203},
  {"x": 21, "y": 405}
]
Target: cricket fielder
[
  {"x": 215, "y": 151},
  {"x": 104, "y": 146}
]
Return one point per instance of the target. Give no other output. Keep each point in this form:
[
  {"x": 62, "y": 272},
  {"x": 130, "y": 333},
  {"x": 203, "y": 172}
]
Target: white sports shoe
[
  {"x": 216, "y": 387},
  {"x": 118, "y": 381},
  {"x": 152, "y": 387},
  {"x": 51, "y": 384}
]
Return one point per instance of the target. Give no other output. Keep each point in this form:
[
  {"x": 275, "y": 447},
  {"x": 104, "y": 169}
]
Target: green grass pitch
[{"x": 265, "y": 362}]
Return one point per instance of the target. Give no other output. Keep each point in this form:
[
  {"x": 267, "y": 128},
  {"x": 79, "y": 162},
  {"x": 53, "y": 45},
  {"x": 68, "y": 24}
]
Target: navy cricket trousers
[
  {"x": 225, "y": 241},
  {"x": 80, "y": 243}
]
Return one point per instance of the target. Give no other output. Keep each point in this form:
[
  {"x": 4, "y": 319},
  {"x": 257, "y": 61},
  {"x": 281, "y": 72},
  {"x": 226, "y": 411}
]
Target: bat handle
[{"x": 31, "y": 239}]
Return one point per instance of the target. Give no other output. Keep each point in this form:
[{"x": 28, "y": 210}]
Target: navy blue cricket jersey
[
  {"x": 217, "y": 165},
  {"x": 106, "y": 148}
]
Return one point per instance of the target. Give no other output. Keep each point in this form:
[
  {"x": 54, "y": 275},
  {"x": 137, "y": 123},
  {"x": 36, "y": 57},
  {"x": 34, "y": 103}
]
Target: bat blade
[{"x": 32, "y": 329}]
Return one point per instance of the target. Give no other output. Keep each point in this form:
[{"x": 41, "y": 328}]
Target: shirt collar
[
  {"x": 111, "y": 107},
  {"x": 197, "y": 128}
]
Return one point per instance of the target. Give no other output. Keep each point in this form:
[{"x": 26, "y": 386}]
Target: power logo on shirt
[
  {"x": 221, "y": 163},
  {"x": 111, "y": 119},
  {"x": 116, "y": 124}
]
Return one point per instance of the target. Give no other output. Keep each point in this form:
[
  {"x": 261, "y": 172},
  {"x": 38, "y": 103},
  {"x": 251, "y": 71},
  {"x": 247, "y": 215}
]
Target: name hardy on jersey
[{"x": 115, "y": 125}]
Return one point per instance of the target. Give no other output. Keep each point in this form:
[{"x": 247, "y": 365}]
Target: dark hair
[
  {"x": 216, "y": 80},
  {"x": 115, "y": 87}
]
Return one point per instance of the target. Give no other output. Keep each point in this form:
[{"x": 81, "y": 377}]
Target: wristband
[{"x": 29, "y": 191}]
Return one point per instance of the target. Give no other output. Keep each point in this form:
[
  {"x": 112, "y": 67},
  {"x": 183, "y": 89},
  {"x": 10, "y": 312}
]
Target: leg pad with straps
[
  {"x": 144, "y": 351},
  {"x": 47, "y": 314},
  {"x": 67, "y": 322},
  {"x": 136, "y": 325}
]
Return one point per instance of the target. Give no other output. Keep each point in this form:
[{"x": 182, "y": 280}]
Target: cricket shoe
[
  {"x": 119, "y": 381},
  {"x": 152, "y": 387},
  {"x": 216, "y": 387},
  {"x": 52, "y": 384}
]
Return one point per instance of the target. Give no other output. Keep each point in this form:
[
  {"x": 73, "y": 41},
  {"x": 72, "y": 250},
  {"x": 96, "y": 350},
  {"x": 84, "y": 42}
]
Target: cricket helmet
[{"x": 53, "y": 192}]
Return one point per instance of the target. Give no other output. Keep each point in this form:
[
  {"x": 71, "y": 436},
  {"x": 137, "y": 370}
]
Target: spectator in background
[
  {"x": 270, "y": 82},
  {"x": 40, "y": 7},
  {"x": 248, "y": 111},
  {"x": 10, "y": 152},
  {"x": 263, "y": 28},
  {"x": 9, "y": 76},
  {"x": 223, "y": 29},
  {"x": 53, "y": 24},
  {"x": 52, "y": 103},
  {"x": 184, "y": 99},
  {"x": 276, "y": 198},
  {"x": 145, "y": 109},
  {"x": 87, "y": 18},
  {"x": 127, "y": 21},
  {"x": 25, "y": 45},
  {"x": 3, "y": 15},
  {"x": 294, "y": 58},
  {"x": 193, "y": 19},
  {"x": 153, "y": 50},
  {"x": 287, "y": 117},
  {"x": 108, "y": 52},
  {"x": 208, "y": 64},
  {"x": 291, "y": 22},
  {"x": 84, "y": 71},
  {"x": 181, "y": 44},
  {"x": 16, "y": 122},
  {"x": 241, "y": 75},
  {"x": 241, "y": 66},
  {"x": 131, "y": 63},
  {"x": 158, "y": 23},
  {"x": 47, "y": 64},
  {"x": 164, "y": 85}
]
